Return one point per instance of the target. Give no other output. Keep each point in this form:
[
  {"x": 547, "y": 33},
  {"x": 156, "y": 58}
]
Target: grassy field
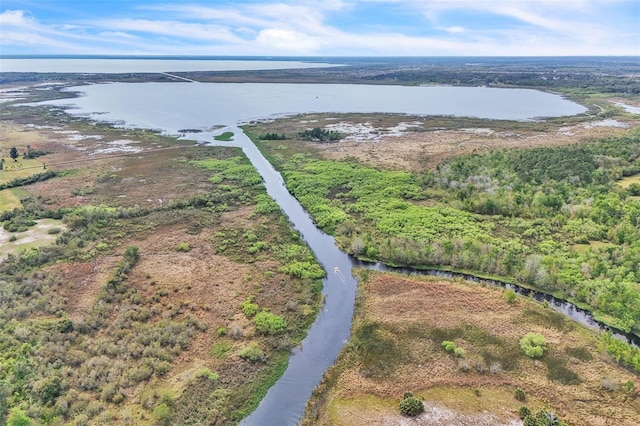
[
  {"x": 9, "y": 200},
  {"x": 19, "y": 169},
  {"x": 396, "y": 347},
  {"x": 627, "y": 181}
]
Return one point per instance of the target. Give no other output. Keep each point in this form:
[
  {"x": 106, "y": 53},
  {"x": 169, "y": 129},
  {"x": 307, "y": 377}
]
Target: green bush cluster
[
  {"x": 207, "y": 374},
  {"x": 318, "y": 134},
  {"x": 533, "y": 345},
  {"x": 269, "y": 323},
  {"x": 452, "y": 348},
  {"x": 410, "y": 405},
  {"x": 541, "y": 418},
  {"x": 249, "y": 308},
  {"x": 622, "y": 352},
  {"x": 253, "y": 353},
  {"x": 273, "y": 136}
]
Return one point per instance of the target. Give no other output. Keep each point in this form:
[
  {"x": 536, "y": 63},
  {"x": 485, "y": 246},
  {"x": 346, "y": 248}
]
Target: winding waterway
[
  {"x": 285, "y": 402},
  {"x": 172, "y": 106}
]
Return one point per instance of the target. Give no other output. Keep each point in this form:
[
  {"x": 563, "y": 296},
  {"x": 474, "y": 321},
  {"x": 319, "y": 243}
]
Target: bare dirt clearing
[{"x": 38, "y": 235}]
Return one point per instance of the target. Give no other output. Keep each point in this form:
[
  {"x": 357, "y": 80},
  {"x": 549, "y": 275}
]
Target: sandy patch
[
  {"x": 36, "y": 236},
  {"x": 122, "y": 145},
  {"x": 434, "y": 415}
]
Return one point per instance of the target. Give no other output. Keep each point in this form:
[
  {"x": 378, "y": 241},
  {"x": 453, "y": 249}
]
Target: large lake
[
  {"x": 118, "y": 66},
  {"x": 173, "y": 106}
]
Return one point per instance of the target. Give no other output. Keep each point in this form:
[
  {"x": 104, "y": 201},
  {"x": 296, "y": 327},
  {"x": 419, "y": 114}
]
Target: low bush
[
  {"x": 509, "y": 295},
  {"x": 249, "y": 308},
  {"x": 252, "y": 353},
  {"x": 269, "y": 323},
  {"x": 533, "y": 345},
  {"x": 523, "y": 412},
  {"x": 183, "y": 247},
  {"x": 410, "y": 405},
  {"x": 206, "y": 373}
]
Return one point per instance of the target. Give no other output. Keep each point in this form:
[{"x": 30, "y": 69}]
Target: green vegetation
[
  {"x": 453, "y": 349},
  {"x": 273, "y": 137},
  {"x": 224, "y": 137},
  {"x": 533, "y": 345},
  {"x": 551, "y": 218},
  {"x": 622, "y": 352},
  {"x": 320, "y": 135},
  {"x": 91, "y": 368},
  {"x": 183, "y": 247},
  {"x": 269, "y": 323},
  {"x": 541, "y": 418},
  {"x": 249, "y": 308},
  {"x": 253, "y": 353},
  {"x": 410, "y": 405},
  {"x": 208, "y": 374},
  {"x": 509, "y": 295}
]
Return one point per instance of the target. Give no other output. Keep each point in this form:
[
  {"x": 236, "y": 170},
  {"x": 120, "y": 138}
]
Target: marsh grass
[
  {"x": 9, "y": 200},
  {"x": 549, "y": 318},
  {"x": 378, "y": 350},
  {"x": 579, "y": 352},
  {"x": 558, "y": 370},
  {"x": 224, "y": 137}
]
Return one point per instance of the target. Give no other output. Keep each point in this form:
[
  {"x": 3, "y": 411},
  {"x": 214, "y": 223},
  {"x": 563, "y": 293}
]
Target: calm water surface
[{"x": 174, "y": 106}]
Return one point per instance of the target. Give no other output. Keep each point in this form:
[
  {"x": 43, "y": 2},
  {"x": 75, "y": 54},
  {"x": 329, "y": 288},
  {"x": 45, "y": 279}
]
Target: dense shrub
[
  {"x": 269, "y": 323},
  {"x": 509, "y": 295},
  {"x": 249, "y": 308},
  {"x": 533, "y": 345},
  {"x": 252, "y": 353},
  {"x": 411, "y": 406},
  {"x": 523, "y": 412}
]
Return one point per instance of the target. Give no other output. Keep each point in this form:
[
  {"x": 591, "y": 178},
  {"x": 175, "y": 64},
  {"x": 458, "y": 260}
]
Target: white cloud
[
  {"x": 288, "y": 40},
  {"x": 305, "y": 27},
  {"x": 455, "y": 29},
  {"x": 118, "y": 34},
  {"x": 175, "y": 29}
]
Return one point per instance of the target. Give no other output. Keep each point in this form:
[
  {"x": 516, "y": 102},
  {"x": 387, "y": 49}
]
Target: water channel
[
  {"x": 285, "y": 402},
  {"x": 172, "y": 106}
]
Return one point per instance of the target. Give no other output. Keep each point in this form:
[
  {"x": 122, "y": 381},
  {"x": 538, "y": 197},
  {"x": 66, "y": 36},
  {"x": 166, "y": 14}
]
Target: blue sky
[{"x": 321, "y": 27}]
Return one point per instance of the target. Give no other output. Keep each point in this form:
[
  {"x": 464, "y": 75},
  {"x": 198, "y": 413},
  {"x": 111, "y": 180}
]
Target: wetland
[{"x": 207, "y": 230}]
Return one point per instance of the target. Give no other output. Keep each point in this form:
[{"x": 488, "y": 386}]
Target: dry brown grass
[
  {"x": 374, "y": 139},
  {"x": 416, "y": 312}
]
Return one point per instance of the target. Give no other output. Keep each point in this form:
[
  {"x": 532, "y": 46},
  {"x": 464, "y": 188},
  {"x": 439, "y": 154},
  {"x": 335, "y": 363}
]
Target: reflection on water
[{"x": 174, "y": 106}]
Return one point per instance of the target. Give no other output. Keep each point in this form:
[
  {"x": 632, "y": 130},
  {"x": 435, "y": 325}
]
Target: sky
[{"x": 321, "y": 27}]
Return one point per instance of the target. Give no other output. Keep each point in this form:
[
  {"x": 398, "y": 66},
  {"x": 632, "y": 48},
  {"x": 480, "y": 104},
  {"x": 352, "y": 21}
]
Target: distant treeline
[
  {"x": 273, "y": 137},
  {"x": 318, "y": 134}
]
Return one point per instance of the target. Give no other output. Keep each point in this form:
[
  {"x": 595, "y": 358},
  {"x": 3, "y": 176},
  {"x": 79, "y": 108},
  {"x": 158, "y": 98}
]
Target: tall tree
[{"x": 13, "y": 152}]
